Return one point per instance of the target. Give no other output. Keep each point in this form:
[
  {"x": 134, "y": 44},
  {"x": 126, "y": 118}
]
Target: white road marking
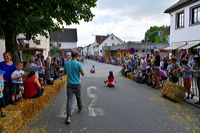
[
  {"x": 63, "y": 113},
  {"x": 93, "y": 112}
]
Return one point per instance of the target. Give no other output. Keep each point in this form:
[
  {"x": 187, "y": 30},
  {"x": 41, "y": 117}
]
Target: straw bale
[
  {"x": 28, "y": 108},
  {"x": 173, "y": 92},
  {"x": 133, "y": 77},
  {"x": 13, "y": 118},
  {"x": 129, "y": 75}
]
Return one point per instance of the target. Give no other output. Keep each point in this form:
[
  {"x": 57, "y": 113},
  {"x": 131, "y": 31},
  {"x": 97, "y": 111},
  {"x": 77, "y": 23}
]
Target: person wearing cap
[
  {"x": 73, "y": 69},
  {"x": 2, "y": 102},
  {"x": 9, "y": 67}
]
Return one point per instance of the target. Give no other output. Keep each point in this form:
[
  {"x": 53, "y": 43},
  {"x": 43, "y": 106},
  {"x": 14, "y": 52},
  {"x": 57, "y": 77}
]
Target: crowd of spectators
[
  {"x": 19, "y": 80},
  {"x": 154, "y": 70}
]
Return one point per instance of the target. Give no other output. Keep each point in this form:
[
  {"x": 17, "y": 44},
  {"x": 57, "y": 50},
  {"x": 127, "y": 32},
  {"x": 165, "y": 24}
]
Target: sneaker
[
  {"x": 80, "y": 109},
  {"x": 68, "y": 120},
  {"x": 154, "y": 85},
  {"x": 192, "y": 96},
  {"x": 3, "y": 114}
]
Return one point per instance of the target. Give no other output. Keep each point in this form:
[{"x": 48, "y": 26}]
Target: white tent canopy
[
  {"x": 190, "y": 44},
  {"x": 197, "y": 47},
  {"x": 175, "y": 45}
]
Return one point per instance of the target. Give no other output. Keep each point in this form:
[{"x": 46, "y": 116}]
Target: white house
[
  {"x": 85, "y": 51},
  {"x": 185, "y": 25},
  {"x": 31, "y": 48},
  {"x": 111, "y": 40},
  {"x": 91, "y": 49},
  {"x": 66, "y": 39}
]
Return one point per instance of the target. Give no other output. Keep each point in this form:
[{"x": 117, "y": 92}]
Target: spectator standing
[
  {"x": 9, "y": 67},
  {"x": 174, "y": 70},
  {"x": 16, "y": 77},
  {"x": 54, "y": 65},
  {"x": 73, "y": 69},
  {"x": 48, "y": 68},
  {"x": 2, "y": 102},
  {"x": 196, "y": 70},
  {"x": 31, "y": 66},
  {"x": 187, "y": 77},
  {"x": 157, "y": 58},
  {"x": 40, "y": 63}
]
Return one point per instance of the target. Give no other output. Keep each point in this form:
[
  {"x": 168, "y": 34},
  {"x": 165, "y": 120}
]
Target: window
[
  {"x": 105, "y": 44},
  {"x": 112, "y": 38},
  {"x": 113, "y": 44},
  {"x": 195, "y": 15},
  {"x": 180, "y": 20}
]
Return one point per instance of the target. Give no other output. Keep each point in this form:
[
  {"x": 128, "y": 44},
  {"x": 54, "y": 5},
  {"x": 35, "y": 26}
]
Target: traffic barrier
[
  {"x": 194, "y": 88},
  {"x": 20, "y": 114}
]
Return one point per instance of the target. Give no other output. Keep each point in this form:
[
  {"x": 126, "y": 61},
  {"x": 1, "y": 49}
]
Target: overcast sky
[{"x": 127, "y": 19}]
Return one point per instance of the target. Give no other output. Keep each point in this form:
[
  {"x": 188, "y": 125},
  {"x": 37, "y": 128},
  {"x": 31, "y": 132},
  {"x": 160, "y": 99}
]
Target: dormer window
[{"x": 180, "y": 20}]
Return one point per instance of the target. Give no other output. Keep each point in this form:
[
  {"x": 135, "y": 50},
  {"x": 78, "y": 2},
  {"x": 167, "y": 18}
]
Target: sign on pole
[
  {"x": 132, "y": 51},
  {"x": 159, "y": 33}
]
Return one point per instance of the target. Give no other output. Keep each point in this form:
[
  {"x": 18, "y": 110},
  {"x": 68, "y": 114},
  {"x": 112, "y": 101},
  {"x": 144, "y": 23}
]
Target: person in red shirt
[
  {"x": 111, "y": 80},
  {"x": 32, "y": 86}
]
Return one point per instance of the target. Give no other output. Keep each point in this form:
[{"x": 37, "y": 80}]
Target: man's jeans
[{"x": 73, "y": 89}]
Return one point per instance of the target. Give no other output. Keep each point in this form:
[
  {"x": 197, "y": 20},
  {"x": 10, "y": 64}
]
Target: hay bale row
[
  {"x": 173, "y": 92},
  {"x": 28, "y": 108},
  {"x": 131, "y": 76},
  {"x": 11, "y": 123}
]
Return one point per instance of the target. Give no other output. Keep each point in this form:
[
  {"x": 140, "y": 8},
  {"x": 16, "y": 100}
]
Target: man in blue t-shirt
[{"x": 73, "y": 69}]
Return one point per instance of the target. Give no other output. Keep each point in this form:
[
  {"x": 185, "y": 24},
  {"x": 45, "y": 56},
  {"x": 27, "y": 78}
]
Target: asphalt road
[{"x": 127, "y": 108}]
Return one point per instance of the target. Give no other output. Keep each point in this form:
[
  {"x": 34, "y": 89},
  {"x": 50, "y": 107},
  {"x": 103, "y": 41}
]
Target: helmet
[{"x": 110, "y": 71}]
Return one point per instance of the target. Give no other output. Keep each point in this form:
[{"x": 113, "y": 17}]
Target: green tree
[
  {"x": 33, "y": 17},
  {"x": 55, "y": 50},
  {"x": 151, "y": 35}
]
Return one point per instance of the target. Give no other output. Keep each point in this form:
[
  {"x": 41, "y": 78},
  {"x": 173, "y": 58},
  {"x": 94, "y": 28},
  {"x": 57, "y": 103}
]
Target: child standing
[
  {"x": 16, "y": 77},
  {"x": 2, "y": 102},
  {"x": 187, "y": 77}
]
